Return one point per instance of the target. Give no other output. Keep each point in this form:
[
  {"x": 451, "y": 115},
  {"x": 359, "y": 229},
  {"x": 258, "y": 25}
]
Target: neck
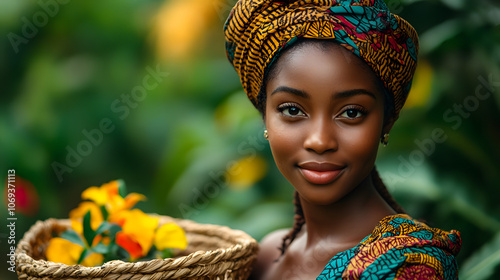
[{"x": 348, "y": 220}]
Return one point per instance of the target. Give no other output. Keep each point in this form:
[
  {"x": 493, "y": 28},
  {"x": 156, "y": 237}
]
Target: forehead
[{"x": 326, "y": 65}]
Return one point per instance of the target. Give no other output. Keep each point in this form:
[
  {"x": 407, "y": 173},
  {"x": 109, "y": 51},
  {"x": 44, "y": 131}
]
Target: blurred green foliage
[{"x": 71, "y": 79}]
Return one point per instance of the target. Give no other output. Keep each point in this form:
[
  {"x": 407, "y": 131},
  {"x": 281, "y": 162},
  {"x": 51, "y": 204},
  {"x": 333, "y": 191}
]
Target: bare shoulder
[
  {"x": 270, "y": 244},
  {"x": 268, "y": 252}
]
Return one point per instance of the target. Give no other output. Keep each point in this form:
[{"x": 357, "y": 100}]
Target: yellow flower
[
  {"x": 136, "y": 234},
  {"x": 170, "y": 236},
  {"x": 108, "y": 195},
  {"x": 245, "y": 172},
  {"x": 138, "y": 230},
  {"x": 93, "y": 260},
  {"x": 64, "y": 251},
  {"x": 77, "y": 214},
  {"x": 102, "y": 194},
  {"x": 131, "y": 200}
]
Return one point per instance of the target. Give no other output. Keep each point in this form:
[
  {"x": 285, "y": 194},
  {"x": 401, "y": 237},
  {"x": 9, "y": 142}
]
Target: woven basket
[{"x": 214, "y": 252}]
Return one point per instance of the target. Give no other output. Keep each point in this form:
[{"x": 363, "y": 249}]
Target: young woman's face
[{"x": 324, "y": 117}]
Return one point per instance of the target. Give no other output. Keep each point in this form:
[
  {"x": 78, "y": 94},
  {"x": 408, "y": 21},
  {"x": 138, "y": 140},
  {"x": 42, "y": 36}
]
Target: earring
[
  {"x": 385, "y": 139},
  {"x": 266, "y": 135}
]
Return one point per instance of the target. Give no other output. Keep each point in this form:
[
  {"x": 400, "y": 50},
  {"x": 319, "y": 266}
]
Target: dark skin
[{"x": 325, "y": 116}]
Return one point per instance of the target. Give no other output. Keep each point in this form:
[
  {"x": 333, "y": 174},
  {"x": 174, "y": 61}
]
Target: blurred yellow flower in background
[
  {"x": 421, "y": 86},
  {"x": 180, "y": 25},
  {"x": 246, "y": 172}
]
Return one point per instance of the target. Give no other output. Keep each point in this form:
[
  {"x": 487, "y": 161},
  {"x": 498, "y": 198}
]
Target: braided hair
[{"x": 299, "y": 221}]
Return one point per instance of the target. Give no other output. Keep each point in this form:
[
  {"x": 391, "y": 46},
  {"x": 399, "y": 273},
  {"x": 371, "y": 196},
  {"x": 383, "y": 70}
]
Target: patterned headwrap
[{"x": 257, "y": 30}]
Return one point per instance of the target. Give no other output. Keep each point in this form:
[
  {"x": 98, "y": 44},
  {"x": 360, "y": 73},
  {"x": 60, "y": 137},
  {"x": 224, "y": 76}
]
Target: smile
[{"x": 320, "y": 173}]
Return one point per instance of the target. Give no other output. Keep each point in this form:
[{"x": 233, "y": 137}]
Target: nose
[{"x": 321, "y": 137}]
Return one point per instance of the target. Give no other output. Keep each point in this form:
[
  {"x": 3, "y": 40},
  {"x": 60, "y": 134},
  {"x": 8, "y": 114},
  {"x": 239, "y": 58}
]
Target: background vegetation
[{"x": 73, "y": 114}]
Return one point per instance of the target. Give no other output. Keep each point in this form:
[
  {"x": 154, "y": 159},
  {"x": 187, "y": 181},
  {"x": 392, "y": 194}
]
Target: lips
[{"x": 320, "y": 173}]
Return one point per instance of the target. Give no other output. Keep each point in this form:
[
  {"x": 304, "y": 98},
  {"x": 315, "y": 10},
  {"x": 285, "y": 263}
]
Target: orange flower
[
  {"x": 101, "y": 195},
  {"x": 133, "y": 230},
  {"x": 129, "y": 244},
  {"x": 108, "y": 195},
  {"x": 137, "y": 234}
]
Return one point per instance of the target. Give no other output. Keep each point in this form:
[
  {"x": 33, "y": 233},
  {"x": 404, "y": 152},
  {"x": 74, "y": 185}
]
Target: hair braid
[
  {"x": 299, "y": 221},
  {"x": 382, "y": 190}
]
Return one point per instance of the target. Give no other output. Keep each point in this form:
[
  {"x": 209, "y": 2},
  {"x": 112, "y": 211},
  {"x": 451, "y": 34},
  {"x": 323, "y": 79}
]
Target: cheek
[
  {"x": 283, "y": 140},
  {"x": 361, "y": 143}
]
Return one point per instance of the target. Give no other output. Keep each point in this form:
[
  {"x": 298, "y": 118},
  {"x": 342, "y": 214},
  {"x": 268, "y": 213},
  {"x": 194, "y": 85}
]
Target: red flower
[{"x": 25, "y": 194}]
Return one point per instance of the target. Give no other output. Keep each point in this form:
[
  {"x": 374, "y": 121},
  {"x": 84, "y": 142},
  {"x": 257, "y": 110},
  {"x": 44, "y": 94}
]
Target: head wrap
[{"x": 257, "y": 30}]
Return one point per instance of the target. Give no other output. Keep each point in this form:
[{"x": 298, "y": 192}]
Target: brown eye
[
  {"x": 293, "y": 111},
  {"x": 352, "y": 113},
  {"x": 290, "y": 110}
]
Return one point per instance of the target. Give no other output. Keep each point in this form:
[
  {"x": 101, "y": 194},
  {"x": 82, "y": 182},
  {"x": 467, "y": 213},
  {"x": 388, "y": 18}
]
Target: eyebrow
[
  {"x": 353, "y": 92},
  {"x": 293, "y": 91},
  {"x": 342, "y": 94}
]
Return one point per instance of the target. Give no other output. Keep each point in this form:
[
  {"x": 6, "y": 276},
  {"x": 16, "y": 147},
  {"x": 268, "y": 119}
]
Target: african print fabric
[
  {"x": 399, "y": 248},
  {"x": 257, "y": 30}
]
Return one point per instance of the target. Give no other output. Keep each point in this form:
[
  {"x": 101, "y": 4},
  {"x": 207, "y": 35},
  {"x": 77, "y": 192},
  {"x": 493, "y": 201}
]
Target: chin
[{"x": 322, "y": 194}]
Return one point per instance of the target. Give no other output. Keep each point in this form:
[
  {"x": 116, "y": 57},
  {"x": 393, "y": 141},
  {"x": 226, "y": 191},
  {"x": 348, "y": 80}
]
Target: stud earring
[
  {"x": 385, "y": 139},
  {"x": 266, "y": 135}
]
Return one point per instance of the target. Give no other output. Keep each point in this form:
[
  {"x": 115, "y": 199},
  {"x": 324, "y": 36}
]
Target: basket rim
[{"x": 239, "y": 255}]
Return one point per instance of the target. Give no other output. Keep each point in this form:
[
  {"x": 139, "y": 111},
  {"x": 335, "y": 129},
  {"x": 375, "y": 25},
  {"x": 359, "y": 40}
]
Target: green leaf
[
  {"x": 120, "y": 252},
  {"x": 101, "y": 248},
  {"x": 88, "y": 232},
  {"x": 73, "y": 237},
  {"x": 104, "y": 226},
  {"x": 86, "y": 252},
  {"x": 114, "y": 253},
  {"x": 104, "y": 212},
  {"x": 167, "y": 253},
  {"x": 483, "y": 262},
  {"x": 113, "y": 229},
  {"x": 122, "y": 190}
]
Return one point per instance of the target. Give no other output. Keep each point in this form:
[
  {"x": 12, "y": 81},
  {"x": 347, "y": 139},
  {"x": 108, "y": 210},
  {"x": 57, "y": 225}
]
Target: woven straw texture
[{"x": 214, "y": 252}]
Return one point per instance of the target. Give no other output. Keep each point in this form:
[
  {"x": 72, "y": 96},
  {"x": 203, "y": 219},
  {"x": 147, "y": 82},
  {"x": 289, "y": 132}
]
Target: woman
[{"x": 330, "y": 78}]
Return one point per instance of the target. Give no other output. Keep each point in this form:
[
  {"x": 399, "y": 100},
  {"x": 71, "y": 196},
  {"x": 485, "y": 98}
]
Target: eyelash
[
  {"x": 356, "y": 108},
  {"x": 282, "y": 107},
  {"x": 359, "y": 109}
]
